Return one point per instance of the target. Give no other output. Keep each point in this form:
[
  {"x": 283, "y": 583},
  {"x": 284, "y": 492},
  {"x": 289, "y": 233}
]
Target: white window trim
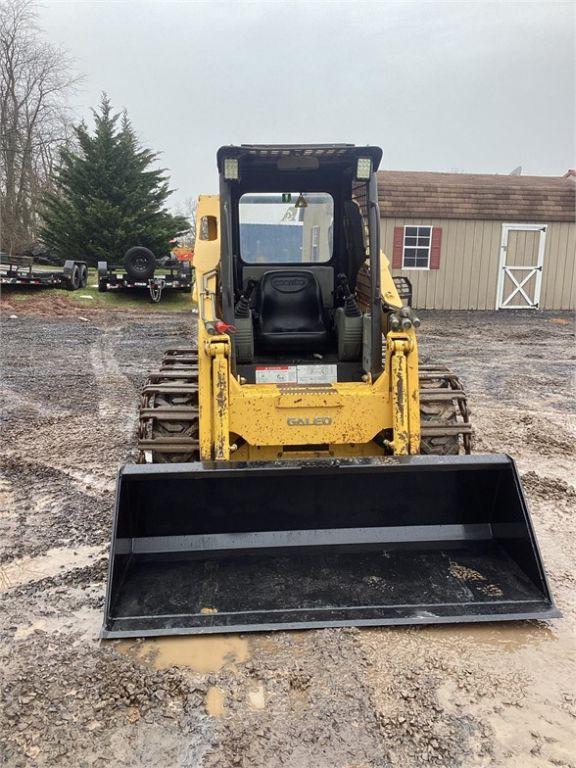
[{"x": 416, "y": 269}]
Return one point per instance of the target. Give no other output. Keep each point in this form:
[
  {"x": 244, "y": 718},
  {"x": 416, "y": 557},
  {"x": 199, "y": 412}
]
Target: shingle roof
[{"x": 410, "y": 194}]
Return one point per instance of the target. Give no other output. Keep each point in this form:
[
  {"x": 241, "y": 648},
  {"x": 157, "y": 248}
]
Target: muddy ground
[{"x": 490, "y": 695}]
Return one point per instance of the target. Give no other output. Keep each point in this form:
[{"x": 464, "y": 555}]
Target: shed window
[{"x": 416, "y": 250}]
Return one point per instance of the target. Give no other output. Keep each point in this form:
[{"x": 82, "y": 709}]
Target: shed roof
[{"x": 419, "y": 194}]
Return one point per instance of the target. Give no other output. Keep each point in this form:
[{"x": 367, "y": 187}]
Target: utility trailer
[
  {"x": 18, "y": 270},
  {"x": 176, "y": 277}
]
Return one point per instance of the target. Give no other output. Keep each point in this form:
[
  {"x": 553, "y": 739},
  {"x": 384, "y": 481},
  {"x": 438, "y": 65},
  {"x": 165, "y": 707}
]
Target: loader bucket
[{"x": 234, "y": 547}]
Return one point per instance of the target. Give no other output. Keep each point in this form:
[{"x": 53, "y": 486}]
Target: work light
[
  {"x": 231, "y": 169},
  {"x": 363, "y": 168}
]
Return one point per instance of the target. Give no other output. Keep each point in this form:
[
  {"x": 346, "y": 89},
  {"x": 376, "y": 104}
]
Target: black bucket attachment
[{"x": 243, "y": 547}]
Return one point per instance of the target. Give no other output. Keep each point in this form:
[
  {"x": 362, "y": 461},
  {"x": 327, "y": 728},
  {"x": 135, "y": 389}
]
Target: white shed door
[{"x": 521, "y": 264}]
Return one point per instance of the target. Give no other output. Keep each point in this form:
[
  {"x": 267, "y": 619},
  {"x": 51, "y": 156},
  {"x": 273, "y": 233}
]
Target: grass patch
[{"x": 115, "y": 300}]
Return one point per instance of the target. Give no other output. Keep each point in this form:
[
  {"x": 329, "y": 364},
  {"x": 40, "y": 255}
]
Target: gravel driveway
[{"x": 471, "y": 696}]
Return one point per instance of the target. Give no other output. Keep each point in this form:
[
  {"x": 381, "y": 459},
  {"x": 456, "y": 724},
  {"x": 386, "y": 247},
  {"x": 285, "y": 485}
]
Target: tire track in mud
[
  {"x": 60, "y": 484},
  {"x": 57, "y": 561},
  {"x": 70, "y": 467},
  {"x": 45, "y": 510},
  {"x": 72, "y": 702},
  {"x": 16, "y": 405},
  {"x": 117, "y": 400},
  {"x": 519, "y": 431}
]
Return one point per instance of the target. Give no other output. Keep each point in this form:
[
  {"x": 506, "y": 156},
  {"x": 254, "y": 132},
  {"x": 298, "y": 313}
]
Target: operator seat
[{"x": 290, "y": 316}]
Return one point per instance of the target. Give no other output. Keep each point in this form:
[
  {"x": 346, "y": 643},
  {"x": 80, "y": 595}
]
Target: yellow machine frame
[{"x": 240, "y": 421}]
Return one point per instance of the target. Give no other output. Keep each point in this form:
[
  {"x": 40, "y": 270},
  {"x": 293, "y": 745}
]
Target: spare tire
[{"x": 139, "y": 262}]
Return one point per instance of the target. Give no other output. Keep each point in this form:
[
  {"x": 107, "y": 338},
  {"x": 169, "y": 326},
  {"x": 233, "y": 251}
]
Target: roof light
[
  {"x": 363, "y": 168},
  {"x": 231, "y": 171}
]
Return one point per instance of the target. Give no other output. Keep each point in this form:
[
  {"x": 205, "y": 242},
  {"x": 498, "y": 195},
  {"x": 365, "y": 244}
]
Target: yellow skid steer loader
[{"x": 298, "y": 467}]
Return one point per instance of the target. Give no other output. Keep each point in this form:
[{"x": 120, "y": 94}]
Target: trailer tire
[
  {"x": 102, "y": 285},
  {"x": 139, "y": 263},
  {"x": 74, "y": 279},
  {"x": 83, "y": 275}
]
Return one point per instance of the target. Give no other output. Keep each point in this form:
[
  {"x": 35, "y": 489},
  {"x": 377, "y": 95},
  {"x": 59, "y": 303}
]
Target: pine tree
[{"x": 108, "y": 196}]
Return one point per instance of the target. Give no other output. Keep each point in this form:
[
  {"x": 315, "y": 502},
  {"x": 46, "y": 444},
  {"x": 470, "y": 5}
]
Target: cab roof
[{"x": 324, "y": 153}]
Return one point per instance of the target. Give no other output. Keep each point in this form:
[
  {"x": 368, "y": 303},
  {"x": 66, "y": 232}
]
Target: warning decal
[{"x": 296, "y": 374}]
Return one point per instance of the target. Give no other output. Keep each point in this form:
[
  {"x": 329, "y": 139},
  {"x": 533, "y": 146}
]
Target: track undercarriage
[
  {"x": 169, "y": 413},
  {"x": 437, "y": 538}
]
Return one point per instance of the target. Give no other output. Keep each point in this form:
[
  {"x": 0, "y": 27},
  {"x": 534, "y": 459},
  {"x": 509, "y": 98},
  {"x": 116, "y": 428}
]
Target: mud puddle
[
  {"x": 215, "y": 702},
  {"x": 214, "y": 656},
  {"x": 200, "y": 653},
  {"x": 206, "y": 654}
]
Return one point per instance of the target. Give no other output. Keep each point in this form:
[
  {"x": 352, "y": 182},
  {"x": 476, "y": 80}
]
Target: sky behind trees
[{"x": 453, "y": 86}]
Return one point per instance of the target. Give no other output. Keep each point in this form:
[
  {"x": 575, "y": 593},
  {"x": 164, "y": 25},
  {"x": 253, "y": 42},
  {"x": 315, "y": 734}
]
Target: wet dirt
[
  {"x": 208, "y": 653},
  {"x": 29, "y": 569},
  {"x": 452, "y": 696},
  {"x": 215, "y": 702}
]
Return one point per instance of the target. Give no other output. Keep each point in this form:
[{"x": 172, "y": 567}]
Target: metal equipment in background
[
  {"x": 140, "y": 271},
  {"x": 298, "y": 466},
  {"x": 19, "y": 271}
]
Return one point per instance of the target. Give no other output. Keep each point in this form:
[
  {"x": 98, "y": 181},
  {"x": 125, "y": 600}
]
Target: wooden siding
[
  {"x": 469, "y": 263},
  {"x": 559, "y": 272}
]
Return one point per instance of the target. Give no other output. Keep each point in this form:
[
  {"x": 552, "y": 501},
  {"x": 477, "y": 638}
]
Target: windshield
[{"x": 286, "y": 227}]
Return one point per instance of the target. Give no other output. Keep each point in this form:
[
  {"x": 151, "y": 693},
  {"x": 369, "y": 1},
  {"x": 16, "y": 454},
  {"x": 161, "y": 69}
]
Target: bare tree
[
  {"x": 188, "y": 210},
  {"x": 34, "y": 83}
]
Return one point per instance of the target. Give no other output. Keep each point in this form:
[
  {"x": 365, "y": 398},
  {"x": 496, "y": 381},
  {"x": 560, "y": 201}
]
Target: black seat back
[{"x": 290, "y": 312}]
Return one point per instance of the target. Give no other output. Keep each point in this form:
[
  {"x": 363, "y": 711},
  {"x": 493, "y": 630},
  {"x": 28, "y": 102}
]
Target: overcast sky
[{"x": 453, "y": 86}]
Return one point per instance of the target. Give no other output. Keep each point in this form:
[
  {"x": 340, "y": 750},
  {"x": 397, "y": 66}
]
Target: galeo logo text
[{"x": 317, "y": 421}]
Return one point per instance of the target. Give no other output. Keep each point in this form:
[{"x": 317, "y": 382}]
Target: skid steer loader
[{"x": 298, "y": 467}]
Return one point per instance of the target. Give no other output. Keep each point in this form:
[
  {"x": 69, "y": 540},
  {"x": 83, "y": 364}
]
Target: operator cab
[{"x": 298, "y": 248}]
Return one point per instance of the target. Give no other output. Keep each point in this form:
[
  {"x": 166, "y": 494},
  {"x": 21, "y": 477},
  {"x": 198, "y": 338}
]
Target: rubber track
[
  {"x": 169, "y": 415},
  {"x": 438, "y": 384}
]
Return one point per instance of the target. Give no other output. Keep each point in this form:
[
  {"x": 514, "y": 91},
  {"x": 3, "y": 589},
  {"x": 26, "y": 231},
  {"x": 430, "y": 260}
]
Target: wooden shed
[{"x": 475, "y": 241}]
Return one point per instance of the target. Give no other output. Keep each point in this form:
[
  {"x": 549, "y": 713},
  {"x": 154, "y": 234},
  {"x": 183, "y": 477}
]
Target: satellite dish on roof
[{"x": 516, "y": 172}]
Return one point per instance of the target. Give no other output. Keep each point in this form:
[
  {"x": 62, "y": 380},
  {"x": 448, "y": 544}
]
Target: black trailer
[
  {"x": 140, "y": 270},
  {"x": 18, "y": 270}
]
